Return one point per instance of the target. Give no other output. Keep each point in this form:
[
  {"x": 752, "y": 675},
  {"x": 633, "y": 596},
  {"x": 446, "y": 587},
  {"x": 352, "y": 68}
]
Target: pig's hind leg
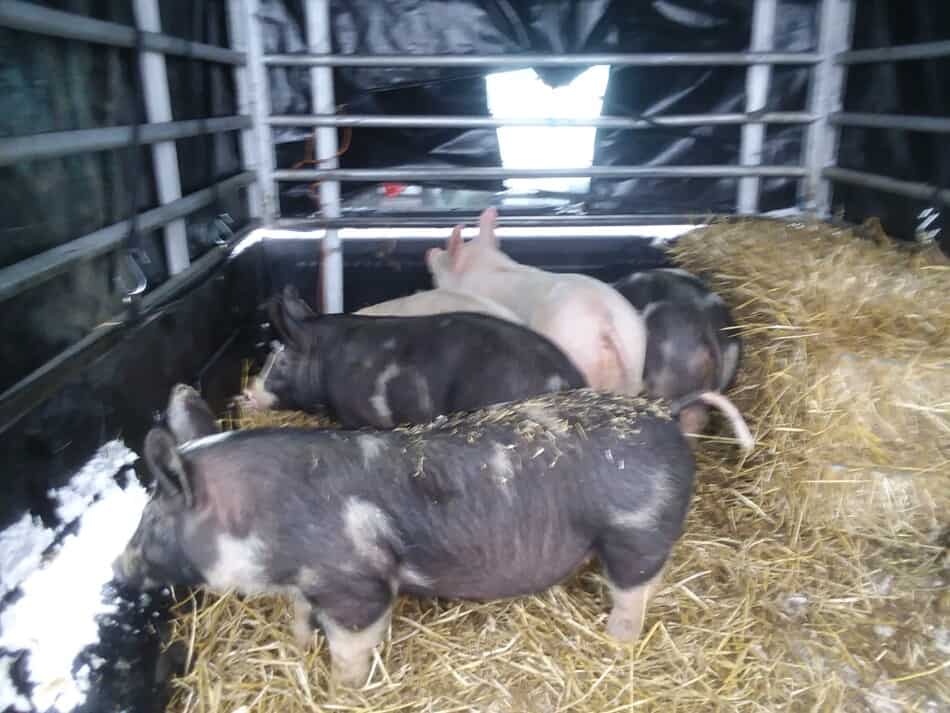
[{"x": 634, "y": 578}]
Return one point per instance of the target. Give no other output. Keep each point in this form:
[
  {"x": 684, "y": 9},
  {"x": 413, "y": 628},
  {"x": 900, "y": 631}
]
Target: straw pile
[
  {"x": 851, "y": 338},
  {"x": 782, "y": 594}
]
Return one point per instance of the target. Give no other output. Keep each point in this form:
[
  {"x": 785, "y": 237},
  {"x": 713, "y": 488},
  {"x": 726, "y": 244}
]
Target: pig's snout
[
  {"x": 183, "y": 391},
  {"x": 258, "y": 398},
  {"x": 126, "y": 569},
  {"x": 129, "y": 571}
]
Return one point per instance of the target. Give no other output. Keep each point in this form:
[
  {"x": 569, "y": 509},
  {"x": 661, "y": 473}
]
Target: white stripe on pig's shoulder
[{"x": 240, "y": 565}]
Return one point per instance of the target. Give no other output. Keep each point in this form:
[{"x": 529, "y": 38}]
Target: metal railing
[
  {"x": 823, "y": 119},
  {"x": 320, "y": 60},
  {"x": 160, "y": 134}
]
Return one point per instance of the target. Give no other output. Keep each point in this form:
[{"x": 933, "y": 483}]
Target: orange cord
[{"x": 309, "y": 159}]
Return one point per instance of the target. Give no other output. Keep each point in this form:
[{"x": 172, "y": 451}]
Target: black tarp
[
  {"x": 467, "y": 27},
  {"x": 485, "y": 27}
]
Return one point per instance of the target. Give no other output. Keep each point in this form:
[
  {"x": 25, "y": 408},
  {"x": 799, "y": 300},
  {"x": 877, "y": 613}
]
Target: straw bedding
[{"x": 812, "y": 575}]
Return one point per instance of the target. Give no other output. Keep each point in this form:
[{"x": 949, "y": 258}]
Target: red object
[{"x": 391, "y": 190}]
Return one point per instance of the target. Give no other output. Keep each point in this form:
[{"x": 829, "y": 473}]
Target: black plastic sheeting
[
  {"x": 472, "y": 27},
  {"x": 918, "y": 87}
]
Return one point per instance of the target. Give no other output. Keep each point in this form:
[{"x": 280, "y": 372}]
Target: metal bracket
[{"x": 133, "y": 297}]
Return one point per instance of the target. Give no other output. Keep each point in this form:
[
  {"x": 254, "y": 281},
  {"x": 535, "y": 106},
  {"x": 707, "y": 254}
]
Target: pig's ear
[
  {"x": 166, "y": 465},
  {"x": 454, "y": 248},
  {"x": 296, "y": 307},
  {"x": 487, "y": 222},
  {"x": 287, "y": 325}
]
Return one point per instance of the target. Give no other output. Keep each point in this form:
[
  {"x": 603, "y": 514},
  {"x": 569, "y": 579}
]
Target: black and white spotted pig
[
  {"x": 188, "y": 415},
  {"x": 384, "y": 371},
  {"x": 692, "y": 354},
  {"x": 496, "y": 503}
]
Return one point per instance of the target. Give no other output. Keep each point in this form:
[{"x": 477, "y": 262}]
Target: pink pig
[{"x": 592, "y": 323}]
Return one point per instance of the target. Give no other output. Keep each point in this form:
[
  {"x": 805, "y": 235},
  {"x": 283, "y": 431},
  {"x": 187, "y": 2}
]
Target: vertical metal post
[
  {"x": 158, "y": 108},
  {"x": 325, "y": 149},
  {"x": 756, "y": 93},
  {"x": 237, "y": 30},
  {"x": 835, "y": 23},
  {"x": 258, "y": 97}
]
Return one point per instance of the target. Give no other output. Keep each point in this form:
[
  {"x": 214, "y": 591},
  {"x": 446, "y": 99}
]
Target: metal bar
[
  {"x": 662, "y": 59},
  {"x": 921, "y": 50},
  {"x": 37, "y": 269},
  {"x": 259, "y": 97},
  {"x": 165, "y": 44},
  {"x": 757, "y": 92},
  {"x": 909, "y": 189},
  {"x": 935, "y": 124},
  {"x": 66, "y": 143},
  {"x": 198, "y": 269},
  {"x": 515, "y": 221},
  {"x": 158, "y": 108},
  {"x": 498, "y": 173},
  {"x": 490, "y": 122},
  {"x": 238, "y": 20},
  {"x": 30, "y": 17},
  {"x": 835, "y": 20},
  {"x": 317, "y": 13}
]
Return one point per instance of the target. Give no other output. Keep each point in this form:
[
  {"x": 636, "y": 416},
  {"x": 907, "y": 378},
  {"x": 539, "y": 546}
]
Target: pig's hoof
[
  {"x": 624, "y": 629},
  {"x": 351, "y": 674},
  {"x": 303, "y": 634}
]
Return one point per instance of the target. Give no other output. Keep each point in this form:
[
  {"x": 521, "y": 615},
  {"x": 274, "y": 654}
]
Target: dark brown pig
[
  {"x": 692, "y": 353},
  {"x": 501, "y": 502},
  {"x": 384, "y": 371}
]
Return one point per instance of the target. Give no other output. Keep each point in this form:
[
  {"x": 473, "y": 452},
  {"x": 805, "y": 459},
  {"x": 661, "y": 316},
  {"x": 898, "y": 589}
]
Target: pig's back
[
  {"x": 527, "y": 503},
  {"x": 466, "y": 360},
  {"x": 439, "y": 301}
]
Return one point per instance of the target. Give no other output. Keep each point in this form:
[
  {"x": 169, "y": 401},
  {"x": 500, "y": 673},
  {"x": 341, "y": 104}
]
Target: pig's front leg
[
  {"x": 635, "y": 555},
  {"x": 303, "y": 620},
  {"x": 354, "y": 612},
  {"x": 351, "y": 649},
  {"x": 625, "y": 623}
]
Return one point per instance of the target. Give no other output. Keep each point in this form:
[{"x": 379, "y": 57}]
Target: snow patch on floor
[
  {"x": 74, "y": 497},
  {"x": 56, "y": 618},
  {"x": 21, "y": 550}
]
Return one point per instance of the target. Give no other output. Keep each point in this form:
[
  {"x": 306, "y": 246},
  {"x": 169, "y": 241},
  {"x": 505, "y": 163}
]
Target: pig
[
  {"x": 501, "y": 502},
  {"x": 439, "y": 301},
  {"x": 594, "y": 325},
  {"x": 188, "y": 415},
  {"x": 384, "y": 371},
  {"x": 692, "y": 355}
]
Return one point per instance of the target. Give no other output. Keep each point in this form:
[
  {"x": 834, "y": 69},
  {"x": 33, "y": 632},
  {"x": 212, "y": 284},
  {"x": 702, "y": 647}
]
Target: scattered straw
[{"x": 797, "y": 587}]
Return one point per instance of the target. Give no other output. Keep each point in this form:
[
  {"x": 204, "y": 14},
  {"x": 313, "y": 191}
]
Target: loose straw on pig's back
[{"x": 768, "y": 605}]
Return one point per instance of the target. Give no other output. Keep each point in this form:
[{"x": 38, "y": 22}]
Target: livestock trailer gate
[{"x": 168, "y": 166}]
